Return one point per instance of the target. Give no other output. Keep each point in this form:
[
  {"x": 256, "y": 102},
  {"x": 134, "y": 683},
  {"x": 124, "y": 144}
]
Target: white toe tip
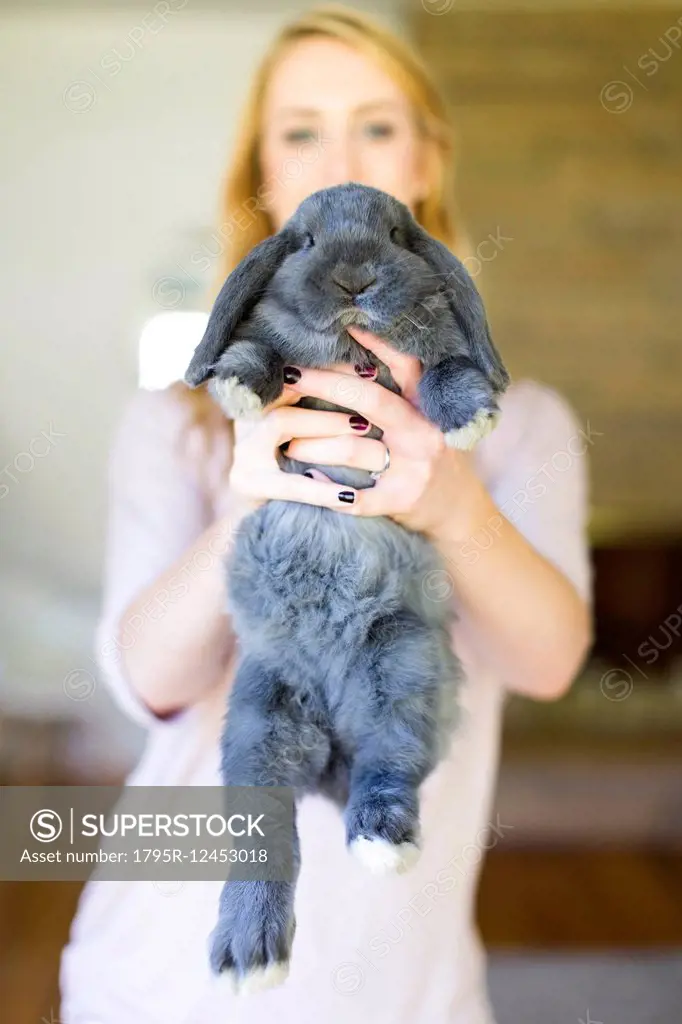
[
  {"x": 262, "y": 978},
  {"x": 256, "y": 980},
  {"x": 384, "y": 858}
]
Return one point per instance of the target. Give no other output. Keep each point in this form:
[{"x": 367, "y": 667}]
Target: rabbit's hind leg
[
  {"x": 251, "y": 942},
  {"x": 382, "y": 819},
  {"x": 267, "y": 741},
  {"x": 392, "y": 729}
]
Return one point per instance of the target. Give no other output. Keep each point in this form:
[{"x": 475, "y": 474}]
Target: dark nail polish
[
  {"x": 365, "y": 371},
  {"x": 347, "y": 496},
  {"x": 285, "y": 447},
  {"x": 291, "y": 374},
  {"x": 358, "y": 422},
  {"x": 306, "y": 472}
]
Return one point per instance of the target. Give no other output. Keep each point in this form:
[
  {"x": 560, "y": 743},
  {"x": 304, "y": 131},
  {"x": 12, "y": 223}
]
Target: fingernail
[
  {"x": 358, "y": 422},
  {"x": 306, "y": 472},
  {"x": 365, "y": 371},
  {"x": 285, "y": 447},
  {"x": 291, "y": 374},
  {"x": 347, "y": 496}
]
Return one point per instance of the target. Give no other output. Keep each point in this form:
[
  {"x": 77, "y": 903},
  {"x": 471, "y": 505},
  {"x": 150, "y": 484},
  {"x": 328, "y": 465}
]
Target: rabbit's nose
[{"x": 353, "y": 280}]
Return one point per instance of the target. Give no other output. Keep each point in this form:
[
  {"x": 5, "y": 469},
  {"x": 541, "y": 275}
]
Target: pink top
[{"x": 397, "y": 950}]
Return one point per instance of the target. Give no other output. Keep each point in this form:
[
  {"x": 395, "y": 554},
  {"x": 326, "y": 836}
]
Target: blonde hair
[{"x": 244, "y": 185}]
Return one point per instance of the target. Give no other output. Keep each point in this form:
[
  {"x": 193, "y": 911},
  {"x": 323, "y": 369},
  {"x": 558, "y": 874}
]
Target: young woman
[{"x": 336, "y": 99}]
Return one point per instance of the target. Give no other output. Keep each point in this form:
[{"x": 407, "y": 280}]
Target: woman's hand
[{"x": 427, "y": 486}]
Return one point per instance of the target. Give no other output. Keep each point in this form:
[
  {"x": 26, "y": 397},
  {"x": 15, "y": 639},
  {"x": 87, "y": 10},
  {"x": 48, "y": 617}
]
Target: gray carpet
[{"x": 629, "y": 988}]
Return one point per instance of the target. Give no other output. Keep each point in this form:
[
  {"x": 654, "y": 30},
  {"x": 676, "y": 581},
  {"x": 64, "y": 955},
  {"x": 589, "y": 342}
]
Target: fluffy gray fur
[{"x": 347, "y": 682}]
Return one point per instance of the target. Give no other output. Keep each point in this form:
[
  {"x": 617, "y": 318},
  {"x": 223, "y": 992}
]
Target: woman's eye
[
  {"x": 379, "y": 130},
  {"x": 297, "y": 136}
]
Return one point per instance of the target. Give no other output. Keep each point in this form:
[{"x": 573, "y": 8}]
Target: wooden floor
[{"x": 546, "y": 900}]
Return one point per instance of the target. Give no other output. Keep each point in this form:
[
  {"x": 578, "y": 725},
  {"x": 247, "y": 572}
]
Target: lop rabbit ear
[
  {"x": 236, "y": 298},
  {"x": 465, "y": 302}
]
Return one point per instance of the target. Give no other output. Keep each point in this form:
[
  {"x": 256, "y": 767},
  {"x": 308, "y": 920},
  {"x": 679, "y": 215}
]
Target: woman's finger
[
  {"x": 346, "y": 392},
  {"x": 375, "y": 402},
  {"x": 286, "y": 422},
  {"x": 388, "y": 496},
  {"x": 405, "y": 370},
  {"x": 358, "y": 452},
  {"x": 280, "y": 486}
]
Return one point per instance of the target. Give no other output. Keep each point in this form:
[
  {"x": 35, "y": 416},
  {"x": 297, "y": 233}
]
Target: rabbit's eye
[
  {"x": 308, "y": 241},
  {"x": 396, "y": 235}
]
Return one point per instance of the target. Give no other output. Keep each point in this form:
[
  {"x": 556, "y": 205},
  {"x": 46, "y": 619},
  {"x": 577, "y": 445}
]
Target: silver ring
[{"x": 376, "y": 473}]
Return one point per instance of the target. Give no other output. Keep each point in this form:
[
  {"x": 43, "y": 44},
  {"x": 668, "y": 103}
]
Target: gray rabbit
[{"x": 347, "y": 682}]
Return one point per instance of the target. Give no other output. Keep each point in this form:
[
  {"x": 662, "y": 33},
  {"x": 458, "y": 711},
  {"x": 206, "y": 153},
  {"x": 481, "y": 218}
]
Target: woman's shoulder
[{"x": 534, "y": 417}]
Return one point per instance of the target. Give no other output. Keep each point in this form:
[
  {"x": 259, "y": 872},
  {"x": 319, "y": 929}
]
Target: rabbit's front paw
[
  {"x": 236, "y": 399},
  {"x": 465, "y": 438},
  {"x": 247, "y": 377},
  {"x": 457, "y": 398}
]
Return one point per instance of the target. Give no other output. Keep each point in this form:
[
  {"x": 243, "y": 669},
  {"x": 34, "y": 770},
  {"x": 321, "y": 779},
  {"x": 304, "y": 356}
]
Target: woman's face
[{"x": 332, "y": 116}]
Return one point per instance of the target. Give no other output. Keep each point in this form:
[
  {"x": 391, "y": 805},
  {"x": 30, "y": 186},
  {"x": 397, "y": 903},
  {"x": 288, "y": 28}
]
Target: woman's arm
[
  {"x": 518, "y": 548},
  {"x": 523, "y": 614},
  {"x": 163, "y": 638},
  {"x": 182, "y": 636}
]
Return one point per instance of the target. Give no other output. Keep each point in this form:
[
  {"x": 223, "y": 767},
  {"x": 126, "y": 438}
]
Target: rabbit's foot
[
  {"x": 250, "y": 966},
  {"x": 466, "y": 437},
  {"x": 457, "y": 397},
  {"x": 236, "y": 399},
  {"x": 382, "y": 829},
  {"x": 384, "y": 858},
  {"x": 247, "y": 377},
  {"x": 251, "y": 943}
]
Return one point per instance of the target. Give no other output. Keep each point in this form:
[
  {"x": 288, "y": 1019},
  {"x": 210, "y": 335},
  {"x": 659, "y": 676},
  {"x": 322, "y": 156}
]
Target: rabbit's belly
[{"x": 304, "y": 575}]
